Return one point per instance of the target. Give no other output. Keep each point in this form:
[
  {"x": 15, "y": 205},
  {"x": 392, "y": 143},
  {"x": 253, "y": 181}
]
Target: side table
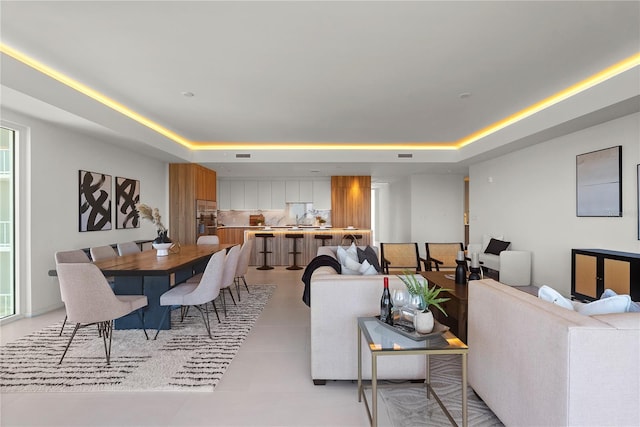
[{"x": 384, "y": 341}]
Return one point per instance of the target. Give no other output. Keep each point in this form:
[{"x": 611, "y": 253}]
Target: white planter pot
[
  {"x": 423, "y": 322},
  {"x": 162, "y": 248}
]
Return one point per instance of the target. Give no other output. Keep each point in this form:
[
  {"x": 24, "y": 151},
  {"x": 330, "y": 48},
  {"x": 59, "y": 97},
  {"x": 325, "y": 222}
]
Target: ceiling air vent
[
  {"x": 405, "y": 156},
  {"x": 243, "y": 156}
]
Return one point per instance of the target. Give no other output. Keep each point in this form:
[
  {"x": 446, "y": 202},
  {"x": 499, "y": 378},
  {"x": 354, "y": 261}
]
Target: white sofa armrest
[{"x": 515, "y": 268}]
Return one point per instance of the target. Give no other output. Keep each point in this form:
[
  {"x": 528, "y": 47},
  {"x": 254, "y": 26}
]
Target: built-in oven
[{"x": 206, "y": 217}]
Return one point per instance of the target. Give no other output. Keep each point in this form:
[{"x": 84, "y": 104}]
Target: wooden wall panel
[
  {"x": 351, "y": 201},
  {"x": 187, "y": 183}
]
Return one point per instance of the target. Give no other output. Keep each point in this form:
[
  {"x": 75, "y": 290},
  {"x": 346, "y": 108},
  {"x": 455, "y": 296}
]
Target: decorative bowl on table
[{"x": 162, "y": 248}]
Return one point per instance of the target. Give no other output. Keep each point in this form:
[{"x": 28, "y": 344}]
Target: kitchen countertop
[{"x": 289, "y": 227}]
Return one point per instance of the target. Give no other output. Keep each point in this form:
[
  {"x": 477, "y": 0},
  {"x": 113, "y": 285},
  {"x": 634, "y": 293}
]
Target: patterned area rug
[
  {"x": 183, "y": 358},
  {"x": 409, "y": 407}
]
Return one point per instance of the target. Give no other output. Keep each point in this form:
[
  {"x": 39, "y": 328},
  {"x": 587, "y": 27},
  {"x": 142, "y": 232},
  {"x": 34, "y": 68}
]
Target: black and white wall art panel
[
  {"x": 95, "y": 201},
  {"x": 127, "y": 197}
]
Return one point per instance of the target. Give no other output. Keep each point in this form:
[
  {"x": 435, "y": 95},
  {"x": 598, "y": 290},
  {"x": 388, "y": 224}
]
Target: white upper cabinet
[
  {"x": 264, "y": 195},
  {"x": 251, "y": 195},
  {"x": 278, "y": 200},
  {"x": 306, "y": 191},
  {"x": 292, "y": 191},
  {"x": 322, "y": 195},
  {"x": 237, "y": 194},
  {"x": 224, "y": 195}
]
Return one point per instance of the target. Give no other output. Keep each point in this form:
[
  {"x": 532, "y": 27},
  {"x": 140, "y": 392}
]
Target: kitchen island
[{"x": 280, "y": 246}]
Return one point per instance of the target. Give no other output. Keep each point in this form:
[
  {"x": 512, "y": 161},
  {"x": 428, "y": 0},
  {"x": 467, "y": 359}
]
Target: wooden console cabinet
[{"x": 594, "y": 270}]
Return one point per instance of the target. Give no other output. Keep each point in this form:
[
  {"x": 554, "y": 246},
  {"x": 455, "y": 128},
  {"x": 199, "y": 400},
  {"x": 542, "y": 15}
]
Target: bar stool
[
  {"x": 352, "y": 238},
  {"x": 295, "y": 252},
  {"x": 264, "y": 251},
  {"x": 323, "y": 237}
]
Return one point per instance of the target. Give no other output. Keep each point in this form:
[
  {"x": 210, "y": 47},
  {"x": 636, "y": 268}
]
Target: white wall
[
  {"x": 532, "y": 200},
  {"x": 54, "y": 156},
  {"x": 437, "y": 209},
  {"x": 422, "y": 208}
]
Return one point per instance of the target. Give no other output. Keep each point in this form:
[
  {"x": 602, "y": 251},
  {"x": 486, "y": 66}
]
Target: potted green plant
[{"x": 423, "y": 320}]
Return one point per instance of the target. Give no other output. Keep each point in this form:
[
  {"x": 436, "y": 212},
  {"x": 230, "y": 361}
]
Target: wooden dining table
[{"x": 145, "y": 273}]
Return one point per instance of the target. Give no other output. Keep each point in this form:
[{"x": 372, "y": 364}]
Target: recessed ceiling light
[{"x": 188, "y": 94}]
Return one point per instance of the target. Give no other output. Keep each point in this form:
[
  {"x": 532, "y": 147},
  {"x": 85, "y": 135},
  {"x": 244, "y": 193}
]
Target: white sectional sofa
[
  {"x": 535, "y": 363},
  {"x": 514, "y": 267},
  {"x": 336, "y": 303}
]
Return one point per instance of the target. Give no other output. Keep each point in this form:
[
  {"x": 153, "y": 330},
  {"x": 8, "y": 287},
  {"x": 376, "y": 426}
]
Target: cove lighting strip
[{"x": 612, "y": 71}]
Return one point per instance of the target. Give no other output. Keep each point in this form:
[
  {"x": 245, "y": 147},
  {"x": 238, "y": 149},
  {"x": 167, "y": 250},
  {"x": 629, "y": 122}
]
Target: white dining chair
[
  {"x": 229, "y": 275},
  {"x": 75, "y": 256},
  {"x": 197, "y": 294},
  {"x": 208, "y": 240},
  {"x": 243, "y": 265},
  {"x": 127, "y": 248},
  {"x": 100, "y": 253},
  {"x": 89, "y": 300}
]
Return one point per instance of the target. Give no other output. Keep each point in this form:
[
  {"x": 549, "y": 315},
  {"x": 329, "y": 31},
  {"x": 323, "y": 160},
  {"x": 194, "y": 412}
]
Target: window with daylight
[{"x": 7, "y": 240}]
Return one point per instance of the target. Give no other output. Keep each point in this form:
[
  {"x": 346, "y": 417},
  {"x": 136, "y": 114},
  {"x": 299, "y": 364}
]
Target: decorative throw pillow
[
  {"x": 496, "y": 246},
  {"x": 352, "y": 252},
  {"x": 367, "y": 269},
  {"x": 634, "y": 307},
  {"x": 370, "y": 255},
  {"x": 614, "y": 304},
  {"x": 341, "y": 254},
  {"x": 549, "y": 294}
]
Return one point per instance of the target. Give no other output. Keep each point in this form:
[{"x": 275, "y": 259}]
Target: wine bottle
[{"x": 386, "y": 305}]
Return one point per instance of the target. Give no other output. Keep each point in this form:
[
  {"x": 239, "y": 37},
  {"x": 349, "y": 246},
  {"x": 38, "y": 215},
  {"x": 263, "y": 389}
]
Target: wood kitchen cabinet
[
  {"x": 594, "y": 270},
  {"x": 188, "y": 182},
  {"x": 351, "y": 201}
]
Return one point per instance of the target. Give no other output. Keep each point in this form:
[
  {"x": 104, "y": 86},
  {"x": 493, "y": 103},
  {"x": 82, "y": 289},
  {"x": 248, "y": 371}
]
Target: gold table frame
[{"x": 402, "y": 346}]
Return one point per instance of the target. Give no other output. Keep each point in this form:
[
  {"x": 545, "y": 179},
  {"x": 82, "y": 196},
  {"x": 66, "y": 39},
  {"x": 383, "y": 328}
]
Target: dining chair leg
[
  {"x": 236, "y": 280},
  {"x": 141, "y": 316},
  {"x": 205, "y": 318},
  {"x": 213, "y": 303},
  {"x": 107, "y": 329},
  {"x": 224, "y": 303},
  {"x": 231, "y": 293},
  {"x": 245, "y": 284},
  {"x": 64, "y": 322},
  {"x": 73, "y": 334},
  {"x": 164, "y": 316}
]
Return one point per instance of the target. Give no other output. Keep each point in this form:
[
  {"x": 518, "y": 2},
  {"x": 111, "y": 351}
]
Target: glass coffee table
[{"x": 383, "y": 340}]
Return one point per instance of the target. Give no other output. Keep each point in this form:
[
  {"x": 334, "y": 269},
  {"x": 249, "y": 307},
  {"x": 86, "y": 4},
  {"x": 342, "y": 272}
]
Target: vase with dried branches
[{"x": 153, "y": 215}]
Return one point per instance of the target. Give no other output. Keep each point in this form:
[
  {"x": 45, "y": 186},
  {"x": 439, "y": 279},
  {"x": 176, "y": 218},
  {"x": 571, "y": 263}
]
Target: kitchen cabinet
[
  {"x": 306, "y": 191},
  {"x": 251, "y": 195},
  {"x": 224, "y": 195},
  {"x": 292, "y": 190},
  {"x": 236, "y": 189},
  {"x": 264, "y": 195},
  {"x": 188, "y": 182},
  {"x": 322, "y": 195},
  {"x": 351, "y": 201},
  {"x": 594, "y": 270},
  {"x": 278, "y": 199}
]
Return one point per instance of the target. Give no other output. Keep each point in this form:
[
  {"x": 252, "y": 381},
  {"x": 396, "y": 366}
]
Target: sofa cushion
[
  {"x": 496, "y": 246},
  {"x": 367, "y": 269},
  {"x": 370, "y": 256},
  {"x": 634, "y": 307},
  {"x": 549, "y": 294},
  {"x": 350, "y": 266},
  {"x": 615, "y": 304}
]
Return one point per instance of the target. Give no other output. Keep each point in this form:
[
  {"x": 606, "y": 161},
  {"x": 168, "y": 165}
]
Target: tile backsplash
[{"x": 240, "y": 218}]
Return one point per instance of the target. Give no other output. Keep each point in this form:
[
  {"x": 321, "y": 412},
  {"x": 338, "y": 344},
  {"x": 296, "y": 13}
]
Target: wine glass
[{"x": 400, "y": 298}]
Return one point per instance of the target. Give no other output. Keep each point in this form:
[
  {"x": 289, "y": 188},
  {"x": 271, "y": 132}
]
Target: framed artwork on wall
[
  {"x": 599, "y": 183},
  {"x": 127, "y": 197},
  {"x": 94, "y": 190}
]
